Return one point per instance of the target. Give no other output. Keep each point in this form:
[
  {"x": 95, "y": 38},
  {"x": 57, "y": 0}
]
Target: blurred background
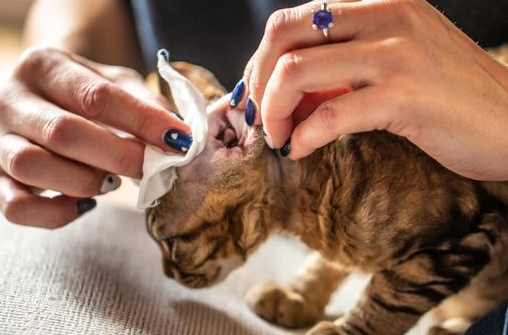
[{"x": 12, "y": 14}]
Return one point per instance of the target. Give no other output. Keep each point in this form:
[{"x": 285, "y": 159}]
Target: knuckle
[
  {"x": 129, "y": 73},
  {"x": 117, "y": 73},
  {"x": 93, "y": 97},
  {"x": 398, "y": 52},
  {"x": 57, "y": 132},
  {"x": 407, "y": 12},
  {"x": 278, "y": 22},
  {"x": 34, "y": 59},
  {"x": 20, "y": 162},
  {"x": 328, "y": 115},
  {"x": 290, "y": 65}
]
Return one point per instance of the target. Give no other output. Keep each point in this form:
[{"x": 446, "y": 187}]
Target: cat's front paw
[
  {"x": 452, "y": 326},
  {"x": 281, "y": 306},
  {"x": 324, "y": 328}
]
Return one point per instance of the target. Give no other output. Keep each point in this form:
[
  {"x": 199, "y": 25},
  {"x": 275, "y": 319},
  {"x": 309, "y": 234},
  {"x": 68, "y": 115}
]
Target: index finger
[
  {"x": 290, "y": 29},
  {"x": 84, "y": 92}
]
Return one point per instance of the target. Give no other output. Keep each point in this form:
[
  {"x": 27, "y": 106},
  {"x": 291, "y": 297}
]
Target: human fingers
[
  {"x": 82, "y": 91},
  {"x": 290, "y": 29},
  {"x": 128, "y": 79},
  {"x": 72, "y": 136},
  {"x": 358, "y": 111},
  {"x": 317, "y": 69},
  {"x": 32, "y": 165},
  {"x": 19, "y": 205}
]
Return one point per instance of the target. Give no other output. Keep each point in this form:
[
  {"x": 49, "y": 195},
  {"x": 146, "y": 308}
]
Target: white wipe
[{"x": 159, "y": 173}]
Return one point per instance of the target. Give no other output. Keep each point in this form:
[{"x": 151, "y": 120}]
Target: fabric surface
[{"x": 102, "y": 275}]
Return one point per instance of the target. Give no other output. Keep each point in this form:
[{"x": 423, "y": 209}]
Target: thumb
[{"x": 355, "y": 112}]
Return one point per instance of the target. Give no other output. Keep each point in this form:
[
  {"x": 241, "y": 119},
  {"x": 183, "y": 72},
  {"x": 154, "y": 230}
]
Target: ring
[{"x": 323, "y": 20}]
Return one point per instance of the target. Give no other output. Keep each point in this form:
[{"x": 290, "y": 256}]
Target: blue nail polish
[
  {"x": 178, "y": 140},
  {"x": 165, "y": 54},
  {"x": 237, "y": 94},
  {"x": 250, "y": 112},
  {"x": 85, "y": 205},
  {"x": 176, "y": 114},
  {"x": 284, "y": 151}
]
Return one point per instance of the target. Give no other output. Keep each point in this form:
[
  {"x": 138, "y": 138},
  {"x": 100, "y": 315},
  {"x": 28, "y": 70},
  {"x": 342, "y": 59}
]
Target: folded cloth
[{"x": 159, "y": 173}]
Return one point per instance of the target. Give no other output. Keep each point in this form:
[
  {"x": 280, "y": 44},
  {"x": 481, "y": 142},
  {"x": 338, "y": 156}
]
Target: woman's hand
[
  {"x": 53, "y": 116},
  {"x": 408, "y": 70}
]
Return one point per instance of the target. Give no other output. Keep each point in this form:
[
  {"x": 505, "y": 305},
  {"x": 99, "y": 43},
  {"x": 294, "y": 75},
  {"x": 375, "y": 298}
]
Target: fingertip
[
  {"x": 286, "y": 148},
  {"x": 220, "y": 105},
  {"x": 250, "y": 111},
  {"x": 180, "y": 125},
  {"x": 85, "y": 205},
  {"x": 277, "y": 132},
  {"x": 299, "y": 148},
  {"x": 238, "y": 94}
]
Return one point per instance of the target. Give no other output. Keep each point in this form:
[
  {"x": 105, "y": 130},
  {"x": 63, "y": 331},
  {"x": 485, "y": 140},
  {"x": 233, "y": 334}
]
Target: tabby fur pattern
[{"x": 370, "y": 202}]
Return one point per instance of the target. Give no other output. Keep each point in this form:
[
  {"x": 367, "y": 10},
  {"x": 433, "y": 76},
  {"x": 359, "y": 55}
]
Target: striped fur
[{"x": 369, "y": 202}]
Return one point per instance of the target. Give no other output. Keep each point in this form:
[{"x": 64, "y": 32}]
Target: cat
[{"x": 370, "y": 202}]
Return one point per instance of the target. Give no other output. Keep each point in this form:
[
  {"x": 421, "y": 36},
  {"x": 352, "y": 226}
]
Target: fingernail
[
  {"x": 284, "y": 151},
  {"x": 85, "y": 205},
  {"x": 111, "y": 182},
  {"x": 178, "y": 140},
  {"x": 177, "y": 115},
  {"x": 268, "y": 139},
  {"x": 237, "y": 94},
  {"x": 250, "y": 112},
  {"x": 164, "y": 53}
]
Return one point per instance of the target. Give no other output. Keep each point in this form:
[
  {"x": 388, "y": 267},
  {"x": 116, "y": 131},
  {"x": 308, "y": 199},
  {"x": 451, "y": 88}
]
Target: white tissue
[{"x": 159, "y": 173}]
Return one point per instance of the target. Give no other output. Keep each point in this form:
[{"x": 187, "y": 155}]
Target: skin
[
  {"x": 50, "y": 106},
  {"x": 410, "y": 72}
]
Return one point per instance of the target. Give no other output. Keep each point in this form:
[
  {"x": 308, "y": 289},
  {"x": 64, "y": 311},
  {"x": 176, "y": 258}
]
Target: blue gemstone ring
[{"x": 323, "y": 20}]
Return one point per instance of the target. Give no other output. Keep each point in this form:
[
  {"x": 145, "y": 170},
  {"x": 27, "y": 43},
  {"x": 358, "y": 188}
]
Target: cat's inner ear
[{"x": 228, "y": 128}]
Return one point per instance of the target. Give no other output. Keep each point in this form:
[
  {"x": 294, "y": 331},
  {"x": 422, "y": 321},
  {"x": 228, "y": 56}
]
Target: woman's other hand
[
  {"x": 407, "y": 70},
  {"x": 55, "y": 114}
]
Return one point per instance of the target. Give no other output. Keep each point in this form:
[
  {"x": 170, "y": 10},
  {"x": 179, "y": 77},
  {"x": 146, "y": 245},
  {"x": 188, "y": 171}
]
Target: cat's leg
[
  {"x": 396, "y": 299},
  {"x": 485, "y": 292},
  {"x": 304, "y": 301},
  {"x": 391, "y": 305},
  {"x": 452, "y": 326}
]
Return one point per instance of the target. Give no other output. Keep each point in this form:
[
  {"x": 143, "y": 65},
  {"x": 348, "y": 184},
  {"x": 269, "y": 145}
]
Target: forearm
[{"x": 100, "y": 30}]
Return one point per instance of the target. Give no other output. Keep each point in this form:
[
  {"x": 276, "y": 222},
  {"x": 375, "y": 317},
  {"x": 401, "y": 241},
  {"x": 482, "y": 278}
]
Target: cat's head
[{"x": 213, "y": 217}]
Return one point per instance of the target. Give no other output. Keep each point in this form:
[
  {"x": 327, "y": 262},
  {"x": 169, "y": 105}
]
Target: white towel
[{"x": 159, "y": 173}]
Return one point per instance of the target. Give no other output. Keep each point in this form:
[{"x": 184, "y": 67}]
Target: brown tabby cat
[{"x": 369, "y": 202}]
